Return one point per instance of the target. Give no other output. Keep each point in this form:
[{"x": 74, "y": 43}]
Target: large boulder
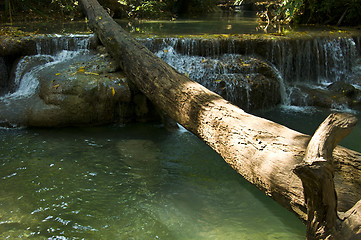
[
  {"x": 82, "y": 91},
  {"x": 85, "y": 90}
]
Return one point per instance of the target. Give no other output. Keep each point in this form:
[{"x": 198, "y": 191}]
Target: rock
[
  {"x": 4, "y": 77},
  {"x": 343, "y": 88},
  {"x": 81, "y": 92},
  {"x": 307, "y": 96},
  {"x": 17, "y": 46},
  {"x": 86, "y": 90}
]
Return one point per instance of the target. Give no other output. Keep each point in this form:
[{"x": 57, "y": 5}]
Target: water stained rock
[
  {"x": 4, "y": 78},
  {"x": 70, "y": 88}
]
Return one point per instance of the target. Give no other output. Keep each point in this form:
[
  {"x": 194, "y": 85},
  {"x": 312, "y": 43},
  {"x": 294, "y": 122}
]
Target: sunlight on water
[{"x": 134, "y": 182}]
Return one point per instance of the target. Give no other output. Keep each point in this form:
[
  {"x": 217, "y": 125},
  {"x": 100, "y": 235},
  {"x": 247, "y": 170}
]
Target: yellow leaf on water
[
  {"x": 165, "y": 51},
  {"x": 113, "y": 91},
  {"x": 218, "y": 80},
  {"x": 100, "y": 18},
  {"x": 91, "y": 73},
  {"x": 56, "y": 86},
  {"x": 57, "y": 74},
  {"x": 81, "y": 69}
]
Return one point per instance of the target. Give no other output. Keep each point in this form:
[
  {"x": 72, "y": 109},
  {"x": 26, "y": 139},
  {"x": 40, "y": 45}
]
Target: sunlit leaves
[{"x": 123, "y": 3}]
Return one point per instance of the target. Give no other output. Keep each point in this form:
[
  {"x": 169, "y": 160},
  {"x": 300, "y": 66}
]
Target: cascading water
[
  {"x": 313, "y": 61},
  {"x": 50, "y": 51},
  {"x": 223, "y": 74}
]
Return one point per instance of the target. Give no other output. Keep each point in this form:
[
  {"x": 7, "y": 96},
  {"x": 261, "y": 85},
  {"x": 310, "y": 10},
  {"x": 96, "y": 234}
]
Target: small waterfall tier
[{"x": 303, "y": 67}]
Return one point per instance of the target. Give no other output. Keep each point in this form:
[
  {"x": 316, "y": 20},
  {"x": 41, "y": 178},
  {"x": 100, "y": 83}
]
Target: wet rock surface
[
  {"x": 253, "y": 73},
  {"x": 337, "y": 95},
  {"x": 4, "y": 76},
  {"x": 85, "y": 90}
]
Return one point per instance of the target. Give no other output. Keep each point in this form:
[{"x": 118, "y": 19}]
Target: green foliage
[
  {"x": 153, "y": 9},
  {"x": 143, "y": 9},
  {"x": 290, "y": 9},
  {"x": 165, "y": 8},
  {"x": 321, "y": 11},
  {"x": 354, "y": 12},
  {"x": 66, "y": 5}
]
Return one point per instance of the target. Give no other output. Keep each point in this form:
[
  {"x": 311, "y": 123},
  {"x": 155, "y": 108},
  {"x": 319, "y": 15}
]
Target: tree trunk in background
[{"x": 263, "y": 152}]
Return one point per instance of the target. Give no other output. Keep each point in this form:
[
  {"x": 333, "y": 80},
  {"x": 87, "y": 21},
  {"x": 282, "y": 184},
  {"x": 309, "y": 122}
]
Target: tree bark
[
  {"x": 263, "y": 152},
  {"x": 316, "y": 173}
]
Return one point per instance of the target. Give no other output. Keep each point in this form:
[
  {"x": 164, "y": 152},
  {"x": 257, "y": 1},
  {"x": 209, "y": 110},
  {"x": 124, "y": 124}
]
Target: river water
[
  {"x": 128, "y": 182},
  {"x": 137, "y": 181}
]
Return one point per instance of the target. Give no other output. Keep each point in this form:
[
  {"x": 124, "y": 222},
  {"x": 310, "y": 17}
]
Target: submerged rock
[
  {"x": 344, "y": 88},
  {"x": 304, "y": 95}
]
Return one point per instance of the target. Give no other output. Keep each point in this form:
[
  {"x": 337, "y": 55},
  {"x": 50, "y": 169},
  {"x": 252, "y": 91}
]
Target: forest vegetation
[{"x": 330, "y": 12}]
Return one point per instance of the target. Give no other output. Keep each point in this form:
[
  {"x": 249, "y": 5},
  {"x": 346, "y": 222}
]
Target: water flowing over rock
[
  {"x": 66, "y": 84},
  {"x": 301, "y": 62},
  {"x": 247, "y": 82},
  {"x": 52, "y": 44},
  {"x": 78, "y": 95},
  {"x": 251, "y": 71}
]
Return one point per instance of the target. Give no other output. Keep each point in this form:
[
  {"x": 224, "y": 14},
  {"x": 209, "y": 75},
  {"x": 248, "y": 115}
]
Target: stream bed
[{"x": 137, "y": 181}]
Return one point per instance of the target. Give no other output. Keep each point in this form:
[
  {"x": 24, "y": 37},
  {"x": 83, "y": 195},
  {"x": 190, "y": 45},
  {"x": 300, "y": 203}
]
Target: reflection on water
[
  {"x": 134, "y": 182},
  {"x": 215, "y": 23}
]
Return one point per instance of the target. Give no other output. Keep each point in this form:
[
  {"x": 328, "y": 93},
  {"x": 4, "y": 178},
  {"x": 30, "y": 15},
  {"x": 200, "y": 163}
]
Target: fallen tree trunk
[
  {"x": 263, "y": 152},
  {"x": 316, "y": 172}
]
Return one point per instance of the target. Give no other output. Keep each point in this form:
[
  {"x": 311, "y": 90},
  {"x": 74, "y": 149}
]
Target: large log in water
[
  {"x": 263, "y": 152},
  {"x": 316, "y": 173}
]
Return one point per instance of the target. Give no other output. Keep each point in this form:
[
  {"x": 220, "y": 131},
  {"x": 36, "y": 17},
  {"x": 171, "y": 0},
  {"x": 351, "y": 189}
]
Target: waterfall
[
  {"x": 315, "y": 60},
  {"x": 304, "y": 60},
  {"x": 53, "y": 43}
]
